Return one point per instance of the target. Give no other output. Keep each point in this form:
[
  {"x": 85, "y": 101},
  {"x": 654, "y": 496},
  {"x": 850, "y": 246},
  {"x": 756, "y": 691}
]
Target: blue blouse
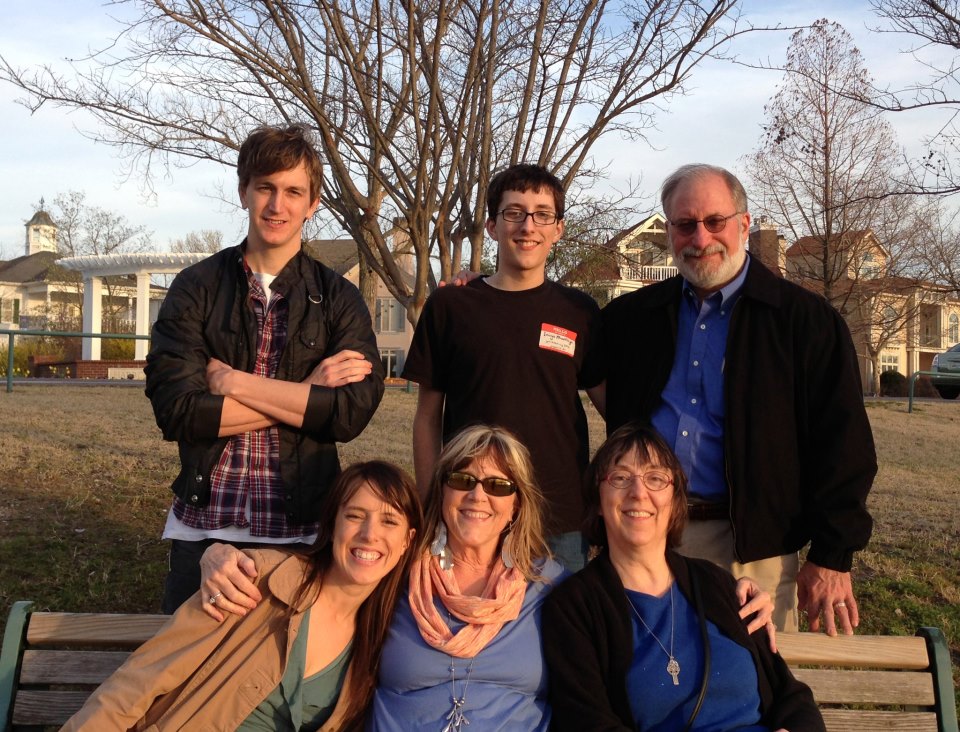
[
  {"x": 733, "y": 699},
  {"x": 506, "y": 689}
]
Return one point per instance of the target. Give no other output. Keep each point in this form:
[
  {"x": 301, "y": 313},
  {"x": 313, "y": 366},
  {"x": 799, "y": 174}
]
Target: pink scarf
[{"x": 500, "y": 603}]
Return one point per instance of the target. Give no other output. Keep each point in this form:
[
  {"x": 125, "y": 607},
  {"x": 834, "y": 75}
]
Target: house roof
[
  {"x": 41, "y": 218},
  {"x": 813, "y": 245},
  {"x": 39, "y": 267},
  {"x": 605, "y": 262},
  {"x": 45, "y": 267},
  {"x": 340, "y": 255}
]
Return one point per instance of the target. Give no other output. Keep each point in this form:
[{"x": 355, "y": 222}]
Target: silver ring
[
  {"x": 841, "y": 603},
  {"x": 213, "y": 598}
]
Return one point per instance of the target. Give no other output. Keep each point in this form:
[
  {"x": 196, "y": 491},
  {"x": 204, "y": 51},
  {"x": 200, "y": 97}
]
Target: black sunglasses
[{"x": 499, "y": 487}]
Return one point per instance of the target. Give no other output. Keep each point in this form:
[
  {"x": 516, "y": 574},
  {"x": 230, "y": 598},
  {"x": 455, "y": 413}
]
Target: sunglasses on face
[
  {"x": 499, "y": 487},
  {"x": 713, "y": 224}
]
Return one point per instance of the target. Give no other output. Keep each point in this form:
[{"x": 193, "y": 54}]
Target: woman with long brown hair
[{"x": 306, "y": 657}]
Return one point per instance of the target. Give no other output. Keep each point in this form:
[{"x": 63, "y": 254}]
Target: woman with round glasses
[
  {"x": 464, "y": 645},
  {"x": 645, "y": 639}
]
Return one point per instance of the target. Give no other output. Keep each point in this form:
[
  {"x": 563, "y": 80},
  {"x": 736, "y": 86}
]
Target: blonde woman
[{"x": 464, "y": 646}]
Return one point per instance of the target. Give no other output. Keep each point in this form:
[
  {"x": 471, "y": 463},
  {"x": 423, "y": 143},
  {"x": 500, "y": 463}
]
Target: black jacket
[
  {"x": 798, "y": 448},
  {"x": 588, "y": 645},
  {"x": 207, "y": 314}
]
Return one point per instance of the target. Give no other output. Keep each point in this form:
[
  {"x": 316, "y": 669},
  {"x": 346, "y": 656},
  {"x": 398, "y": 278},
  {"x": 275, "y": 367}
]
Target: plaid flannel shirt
[{"x": 249, "y": 467}]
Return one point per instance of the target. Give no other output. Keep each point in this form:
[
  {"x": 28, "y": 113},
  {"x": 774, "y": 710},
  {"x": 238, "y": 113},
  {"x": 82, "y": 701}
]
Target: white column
[
  {"x": 143, "y": 314},
  {"x": 92, "y": 316}
]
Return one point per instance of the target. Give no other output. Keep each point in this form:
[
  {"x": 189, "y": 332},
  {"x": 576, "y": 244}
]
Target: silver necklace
[
  {"x": 456, "y": 718},
  {"x": 673, "y": 667}
]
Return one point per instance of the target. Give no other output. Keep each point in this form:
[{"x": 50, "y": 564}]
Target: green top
[{"x": 299, "y": 704}]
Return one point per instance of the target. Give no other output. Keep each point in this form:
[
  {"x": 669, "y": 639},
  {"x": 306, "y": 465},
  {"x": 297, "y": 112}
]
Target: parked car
[{"x": 947, "y": 362}]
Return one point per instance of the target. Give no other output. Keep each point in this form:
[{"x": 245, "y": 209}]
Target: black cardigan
[{"x": 588, "y": 645}]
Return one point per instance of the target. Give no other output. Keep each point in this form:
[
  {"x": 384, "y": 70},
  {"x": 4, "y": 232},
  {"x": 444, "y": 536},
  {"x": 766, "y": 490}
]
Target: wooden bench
[
  {"x": 876, "y": 682},
  {"x": 50, "y": 663}
]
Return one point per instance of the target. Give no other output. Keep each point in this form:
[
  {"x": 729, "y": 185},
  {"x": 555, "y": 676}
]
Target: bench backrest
[
  {"x": 876, "y": 682},
  {"x": 51, "y": 662}
]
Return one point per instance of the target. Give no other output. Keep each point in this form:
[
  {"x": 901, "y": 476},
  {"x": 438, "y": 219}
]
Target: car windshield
[{"x": 955, "y": 349}]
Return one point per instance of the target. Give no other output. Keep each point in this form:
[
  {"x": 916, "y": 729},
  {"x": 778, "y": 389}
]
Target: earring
[
  {"x": 439, "y": 548},
  {"x": 506, "y": 555}
]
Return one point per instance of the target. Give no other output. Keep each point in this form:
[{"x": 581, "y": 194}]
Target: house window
[
  {"x": 10, "y": 310},
  {"x": 390, "y": 316},
  {"x": 392, "y": 359},
  {"x": 870, "y": 267},
  {"x": 954, "y": 331},
  {"x": 889, "y": 362}
]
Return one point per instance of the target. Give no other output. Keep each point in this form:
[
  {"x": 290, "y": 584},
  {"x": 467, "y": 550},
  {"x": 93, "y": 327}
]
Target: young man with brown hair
[{"x": 261, "y": 360}]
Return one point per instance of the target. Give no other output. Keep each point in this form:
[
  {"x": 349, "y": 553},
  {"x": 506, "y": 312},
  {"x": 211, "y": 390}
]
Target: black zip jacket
[
  {"x": 588, "y": 644},
  {"x": 207, "y": 314},
  {"x": 799, "y": 452}
]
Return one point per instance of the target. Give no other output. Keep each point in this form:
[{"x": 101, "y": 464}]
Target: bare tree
[
  {"x": 83, "y": 229},
  {"x": 414, "y": 103},
  {"x": 940, "y": 230},
  {"x": 935, "y": 26},
  {"x": 206, "y": 241},
  {"x": 824, "y": 163},
  {"x": 825, "y": 169}
]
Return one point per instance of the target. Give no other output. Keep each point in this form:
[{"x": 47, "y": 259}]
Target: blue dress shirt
[{"x": 692, "y": 408}]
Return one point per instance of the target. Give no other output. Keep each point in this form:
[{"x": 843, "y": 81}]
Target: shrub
[
  {"x": 27, "y": 347},
  {"x": 893, "y": 383},
  {"x": 117, "y": 349}
]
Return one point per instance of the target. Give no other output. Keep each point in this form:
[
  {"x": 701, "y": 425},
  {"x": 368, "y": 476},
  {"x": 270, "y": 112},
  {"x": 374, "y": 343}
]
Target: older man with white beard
[{"x": 754, "y": 382}]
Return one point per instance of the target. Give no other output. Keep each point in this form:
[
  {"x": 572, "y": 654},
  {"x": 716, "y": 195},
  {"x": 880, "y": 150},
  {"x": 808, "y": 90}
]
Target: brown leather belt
[{"x": 708, "y": 511}]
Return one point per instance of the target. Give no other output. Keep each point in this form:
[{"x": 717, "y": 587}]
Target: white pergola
[{"x": 94, "y": 267}]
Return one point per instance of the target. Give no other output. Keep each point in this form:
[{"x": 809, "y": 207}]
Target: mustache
[{"x": 696, "y": 252}]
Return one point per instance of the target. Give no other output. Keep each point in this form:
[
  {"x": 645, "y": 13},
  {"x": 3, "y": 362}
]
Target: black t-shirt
[{"x": 517, "y": 359}]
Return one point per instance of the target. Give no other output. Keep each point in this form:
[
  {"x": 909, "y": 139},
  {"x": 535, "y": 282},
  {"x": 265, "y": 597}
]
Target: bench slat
[
  {"x": 70, "y": 667},
  {"x": 852, "y": 720},
  {"x": 856, "y": 650},
  {"x": 44, "y": 707},
  {"x": 868, "y": 687},
  {"x": 94, "y": 629}
]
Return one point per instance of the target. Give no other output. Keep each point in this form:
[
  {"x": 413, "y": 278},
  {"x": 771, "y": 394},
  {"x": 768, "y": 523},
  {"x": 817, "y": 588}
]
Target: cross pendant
[{"x": 673, "y": 668}]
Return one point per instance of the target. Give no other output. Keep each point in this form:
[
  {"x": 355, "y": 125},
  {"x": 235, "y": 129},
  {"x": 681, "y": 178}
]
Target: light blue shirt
[
  {"x": 504, "y": 687},
  {"x": 692, "y": 408}
]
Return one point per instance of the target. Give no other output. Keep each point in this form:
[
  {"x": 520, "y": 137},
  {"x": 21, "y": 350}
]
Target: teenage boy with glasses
[{"x": 513, "y": 349}]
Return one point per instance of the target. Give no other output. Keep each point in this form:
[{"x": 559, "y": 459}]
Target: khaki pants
[{"x": 713, "y": 540}]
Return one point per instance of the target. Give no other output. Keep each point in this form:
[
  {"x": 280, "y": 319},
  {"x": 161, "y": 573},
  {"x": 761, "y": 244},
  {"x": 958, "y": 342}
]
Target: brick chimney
[{"x": 767, "y": 245}]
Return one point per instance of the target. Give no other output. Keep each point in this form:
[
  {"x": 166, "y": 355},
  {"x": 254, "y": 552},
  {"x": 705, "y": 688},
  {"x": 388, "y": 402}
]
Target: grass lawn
[{"x": 85, "y": 475}]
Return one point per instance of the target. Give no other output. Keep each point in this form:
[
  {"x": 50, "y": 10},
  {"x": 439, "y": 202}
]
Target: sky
[{"x": 718, "y": 121}]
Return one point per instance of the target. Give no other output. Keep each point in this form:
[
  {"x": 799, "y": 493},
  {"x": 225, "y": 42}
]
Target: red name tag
[{"x": 555, "y": 338}]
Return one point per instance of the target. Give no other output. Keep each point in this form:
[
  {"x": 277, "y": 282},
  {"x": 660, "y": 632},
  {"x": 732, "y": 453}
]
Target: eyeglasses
[
  {"x": 540, "y": 218},
  {"x": 499, "y": 487},
  {"x": 654, "y": 480},
  {"x": 713, "y": 224}
]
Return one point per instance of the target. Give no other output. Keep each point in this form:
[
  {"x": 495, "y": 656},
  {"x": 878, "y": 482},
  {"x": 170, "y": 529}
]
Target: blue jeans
[{"x": 569, "y": 549}]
